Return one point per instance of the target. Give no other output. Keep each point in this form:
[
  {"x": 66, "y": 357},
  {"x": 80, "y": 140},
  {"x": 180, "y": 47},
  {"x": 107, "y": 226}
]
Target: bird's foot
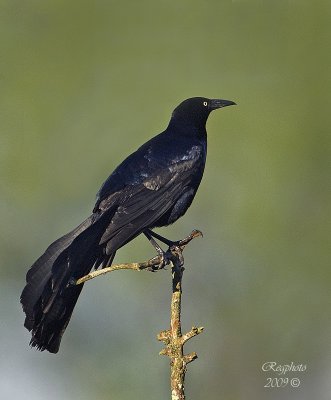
[
  {"x": 175, "y": 249},
  {"x": 165, "y": 259},
  {"x": 161, "y": 261},
  {"x": 177, "y": 253}
]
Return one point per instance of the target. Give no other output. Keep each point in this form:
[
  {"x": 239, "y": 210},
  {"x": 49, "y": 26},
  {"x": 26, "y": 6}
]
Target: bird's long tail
[{"x": 49, "y": 296}]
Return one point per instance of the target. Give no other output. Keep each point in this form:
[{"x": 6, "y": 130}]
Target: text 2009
[{"x": 281, "y": 382}]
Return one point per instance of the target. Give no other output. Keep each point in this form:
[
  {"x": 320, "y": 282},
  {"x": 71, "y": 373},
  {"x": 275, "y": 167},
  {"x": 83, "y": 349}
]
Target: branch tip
[{"x": 190, "y": 357}]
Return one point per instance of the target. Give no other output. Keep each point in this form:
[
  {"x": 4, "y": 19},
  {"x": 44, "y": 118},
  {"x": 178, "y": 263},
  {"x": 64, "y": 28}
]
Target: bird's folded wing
[{"x": 141, "y": 205}]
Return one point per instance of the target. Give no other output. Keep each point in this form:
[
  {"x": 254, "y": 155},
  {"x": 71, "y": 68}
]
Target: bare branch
[
  {"x": 173, "y": 339},
  {"x": 150, "y": 265}
]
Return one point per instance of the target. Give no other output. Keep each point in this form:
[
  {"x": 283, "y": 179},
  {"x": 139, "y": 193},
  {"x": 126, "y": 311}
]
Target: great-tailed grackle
[{"x": 153, "y": 187}]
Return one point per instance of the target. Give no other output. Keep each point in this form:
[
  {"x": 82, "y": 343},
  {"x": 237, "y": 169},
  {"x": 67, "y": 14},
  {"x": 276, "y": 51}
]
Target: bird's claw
[{"x": 165, "y": 259}]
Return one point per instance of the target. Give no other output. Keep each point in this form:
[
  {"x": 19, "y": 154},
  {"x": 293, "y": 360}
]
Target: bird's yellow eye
[{"x": 205, "y": 103}]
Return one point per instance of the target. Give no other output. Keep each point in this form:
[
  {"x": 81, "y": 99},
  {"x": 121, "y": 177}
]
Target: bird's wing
[{"x": 141, "y": 205}]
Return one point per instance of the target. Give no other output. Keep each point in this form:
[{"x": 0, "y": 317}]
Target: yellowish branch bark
[
  {"x": 150, "y": 265},
  {"x": 173, "y": 338}
]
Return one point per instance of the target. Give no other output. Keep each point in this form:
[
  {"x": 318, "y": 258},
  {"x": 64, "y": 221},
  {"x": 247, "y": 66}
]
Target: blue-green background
[{"x": 83, "y": 84}]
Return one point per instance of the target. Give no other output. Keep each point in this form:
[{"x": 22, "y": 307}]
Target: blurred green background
[{"x": 83, "y": 84}]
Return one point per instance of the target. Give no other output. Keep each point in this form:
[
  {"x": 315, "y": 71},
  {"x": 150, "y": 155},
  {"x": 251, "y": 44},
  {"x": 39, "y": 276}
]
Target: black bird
[{"x": 153, "y": 187}]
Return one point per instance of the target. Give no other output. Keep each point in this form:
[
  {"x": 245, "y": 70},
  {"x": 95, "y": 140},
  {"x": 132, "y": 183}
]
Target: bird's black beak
[{"x": 218, "y": 103}]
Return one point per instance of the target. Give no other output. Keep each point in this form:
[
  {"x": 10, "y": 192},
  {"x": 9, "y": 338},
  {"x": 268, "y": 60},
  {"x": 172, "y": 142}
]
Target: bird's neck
[{"x": 183, "y": 127}]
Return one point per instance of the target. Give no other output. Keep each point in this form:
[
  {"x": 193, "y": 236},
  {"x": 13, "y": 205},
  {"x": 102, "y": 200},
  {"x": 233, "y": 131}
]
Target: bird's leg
[
  {"x": 177, "y": 246},
  {"x": 174, "y": 247},
  {"x": 164, "y": 259},
  {"x": 164, "y": 240}
]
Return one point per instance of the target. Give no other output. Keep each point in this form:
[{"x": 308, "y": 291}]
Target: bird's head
[{"x": 195, "y": 111}]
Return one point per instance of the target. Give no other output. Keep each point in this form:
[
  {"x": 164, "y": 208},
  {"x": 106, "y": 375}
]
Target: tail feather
[{"x": 48, "y": 299}]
